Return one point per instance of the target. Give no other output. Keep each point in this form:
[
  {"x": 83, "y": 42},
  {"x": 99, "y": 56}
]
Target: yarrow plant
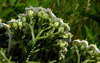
[
  {"x": 38, "y": 35},
  {"x": 84, "y": 53}
]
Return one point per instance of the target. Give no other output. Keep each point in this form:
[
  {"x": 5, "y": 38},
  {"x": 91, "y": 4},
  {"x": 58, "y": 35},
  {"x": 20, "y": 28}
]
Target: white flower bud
[
  {"x": 14, "y": 25},
  {"x": 60, "y": 21},
  {"x": 30, "y": 13},
  {"x": 65, "y": 35},
  {"x": 76, "y": 42},
  {"x": 56, "y": 24},
  {"x": 43, "y": 15},
  {"x": 61, "y": 56},
  {"x": 94, "y": 48},
  {"x": 51, "y": 24},
  {"x": 61, "y": 29},
  {"x": 64, "y": 50},
  {"x": 69, "y": 35},
  {"x": 63, "y": 44},
  {"x": 20, "y": 25},
  {"x": 23, "y": 18},
  {"x": 66, "y": 27},
  {"x": 84, "y": 44}
]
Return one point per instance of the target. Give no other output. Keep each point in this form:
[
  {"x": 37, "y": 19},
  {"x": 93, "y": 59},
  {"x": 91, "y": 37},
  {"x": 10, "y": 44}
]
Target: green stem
[
  {"x": 77, "y": 51},
  {"x": 86, "y": 61},
  {"x": 44, "y": 37},
  {"x": 3, "y": 54},
  {"x": 32, "y": 52},
  {"x": 42, "y": 31},
  {"x": 53, "y": 30},
  {"x": 32, "y": 31}
]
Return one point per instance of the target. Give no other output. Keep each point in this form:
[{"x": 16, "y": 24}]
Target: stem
[
  {"x": 3, "y": 54},
  {"x": 32, "y": 31},
  {"x": 42, "y": 31},
  {"x": 53, "y": 30},
  {"x": 77, "y": 51},
  {"x": 88, "y": 61},
  {"x": 43, "y": 37},
  {"x": 31, "y": 52}
]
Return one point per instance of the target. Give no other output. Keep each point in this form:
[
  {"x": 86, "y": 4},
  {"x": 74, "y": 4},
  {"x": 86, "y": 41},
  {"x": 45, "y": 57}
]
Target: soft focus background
[{"x": 83, "y": 16}]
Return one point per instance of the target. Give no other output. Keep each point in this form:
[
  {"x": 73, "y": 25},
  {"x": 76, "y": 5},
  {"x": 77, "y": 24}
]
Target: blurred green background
[{"x": 83, "y": 16}]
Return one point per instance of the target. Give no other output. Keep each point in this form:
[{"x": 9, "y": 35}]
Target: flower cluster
[
  {"x": 40, "y": 29},
  {"x": 85, "y": 53},
  {"x": 5, "y": 37}
]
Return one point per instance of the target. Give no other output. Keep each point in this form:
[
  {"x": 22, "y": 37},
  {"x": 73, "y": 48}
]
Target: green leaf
[
  {"x": 5, "y": 12},
  {"x": 89, "y": 34},
  {"x": 58, "y": 2},
  {"x": 12, "y": 2}
]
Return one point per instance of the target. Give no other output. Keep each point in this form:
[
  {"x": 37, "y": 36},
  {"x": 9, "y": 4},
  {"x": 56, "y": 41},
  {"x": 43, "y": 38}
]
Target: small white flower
[
  {"x": 76, "y": 42},
  {"x": 7, "y": 26},
  {"x": 12, "y": 20},
  {"x": 84, "y": 42},
  {"x": 60, "y": 21},
  {"x": 62, "y": 43},
  {"x": 61, "y": 29},
  {"x": 67, "y": 28},
  {"x": 30, "y": 13},
  {"x": 69, "y": 35},
  {"x": 64, "y": 49},
  {"x": 61, "y": 56},
  {"x": 56, "y": 24},
  {"x": 94, "y": 47},
  {"x": 21, "y": 15}
]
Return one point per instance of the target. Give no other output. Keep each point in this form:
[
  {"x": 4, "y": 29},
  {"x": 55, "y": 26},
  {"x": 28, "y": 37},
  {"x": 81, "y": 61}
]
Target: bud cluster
[
  {"x": 47, "y": 32},
  {"x": 87, "y": 53},
  {"x": 63, "y": 48}
]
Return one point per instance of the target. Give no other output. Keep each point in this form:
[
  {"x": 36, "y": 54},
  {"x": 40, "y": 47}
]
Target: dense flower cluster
[
  {"x": 85, "y": 53},
  {"x": 40, "y": 29}
]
